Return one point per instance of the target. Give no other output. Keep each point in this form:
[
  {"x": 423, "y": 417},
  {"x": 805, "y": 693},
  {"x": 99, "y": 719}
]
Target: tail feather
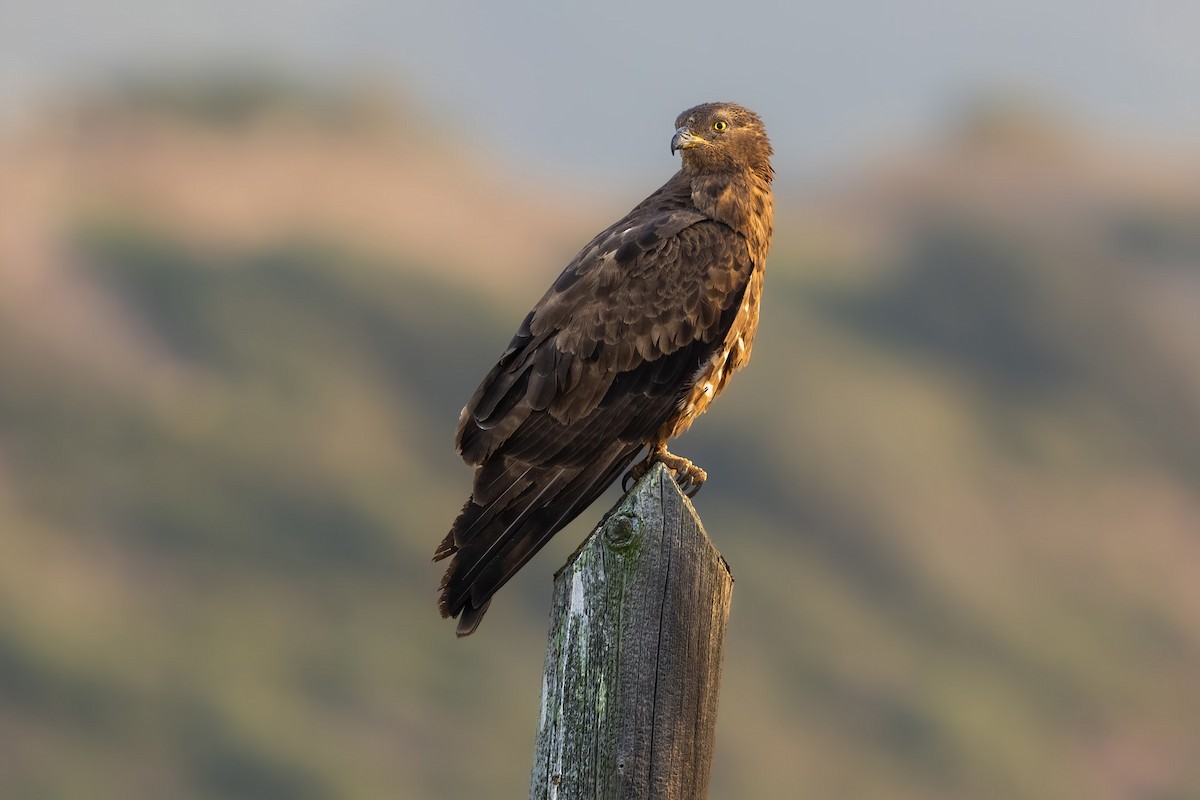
[
  {"x": 470, "y": 618},
  {"x": 491, "y": 542}
]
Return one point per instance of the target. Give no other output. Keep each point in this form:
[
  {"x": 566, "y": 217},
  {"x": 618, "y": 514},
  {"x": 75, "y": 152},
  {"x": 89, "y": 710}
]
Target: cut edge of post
[{"x": 657, "y": 477}]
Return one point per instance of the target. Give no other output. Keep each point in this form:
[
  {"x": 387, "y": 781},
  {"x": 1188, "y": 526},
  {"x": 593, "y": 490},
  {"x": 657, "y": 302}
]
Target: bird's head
[{"x": 720, "y": 137}]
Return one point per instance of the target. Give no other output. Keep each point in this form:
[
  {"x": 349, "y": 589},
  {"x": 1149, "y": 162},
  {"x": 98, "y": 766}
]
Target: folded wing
[{"x": 596, "y": 368}]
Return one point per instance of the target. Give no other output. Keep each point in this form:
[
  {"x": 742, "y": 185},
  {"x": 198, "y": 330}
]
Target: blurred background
[{"x": 255, "y": 256}]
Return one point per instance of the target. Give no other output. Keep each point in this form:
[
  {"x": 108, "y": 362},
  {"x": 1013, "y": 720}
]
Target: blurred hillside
[{"x": 959, "y": 486}]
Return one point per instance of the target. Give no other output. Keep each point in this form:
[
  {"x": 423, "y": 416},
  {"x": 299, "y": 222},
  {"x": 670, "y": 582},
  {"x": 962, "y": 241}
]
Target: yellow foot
[{"x": 688, "y": 476}]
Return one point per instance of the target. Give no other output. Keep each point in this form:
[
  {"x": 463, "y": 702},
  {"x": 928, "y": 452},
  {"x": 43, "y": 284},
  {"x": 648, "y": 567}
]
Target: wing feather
[{"x": 566, "y": 371}]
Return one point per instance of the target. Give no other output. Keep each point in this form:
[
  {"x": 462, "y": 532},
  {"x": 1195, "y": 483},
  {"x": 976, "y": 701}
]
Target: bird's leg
[{"x": 689, "y": 476}]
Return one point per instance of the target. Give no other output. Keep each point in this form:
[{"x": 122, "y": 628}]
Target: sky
[{"x": 592, "y": 88}]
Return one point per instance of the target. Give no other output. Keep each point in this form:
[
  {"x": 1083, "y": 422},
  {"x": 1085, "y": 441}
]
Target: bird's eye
[{"x": 720, "y": 125}]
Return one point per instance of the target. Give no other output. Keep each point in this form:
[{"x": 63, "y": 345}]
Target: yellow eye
[{"x": 720, "y": 125}]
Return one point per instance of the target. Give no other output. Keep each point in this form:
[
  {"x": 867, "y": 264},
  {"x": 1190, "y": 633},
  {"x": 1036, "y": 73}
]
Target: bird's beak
[{"x": 683, "y": 139}]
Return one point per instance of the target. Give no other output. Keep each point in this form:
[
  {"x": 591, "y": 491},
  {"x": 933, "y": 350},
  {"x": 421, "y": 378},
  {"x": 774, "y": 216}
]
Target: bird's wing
[
  {"x": 622, "y": 325},
  {"x": 596, "y": 368}
]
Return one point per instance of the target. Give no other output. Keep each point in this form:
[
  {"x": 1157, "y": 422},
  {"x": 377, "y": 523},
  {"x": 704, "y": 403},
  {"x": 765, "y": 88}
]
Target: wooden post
[{"x": 633, "y": 664}]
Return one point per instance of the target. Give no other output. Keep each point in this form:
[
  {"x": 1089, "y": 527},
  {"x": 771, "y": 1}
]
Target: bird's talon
[
  {"x": 634, "y": 475},
  {"x": 688, "y": 477}
]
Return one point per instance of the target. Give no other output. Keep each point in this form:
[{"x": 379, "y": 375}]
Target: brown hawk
[{"x": 637, "y": 336}]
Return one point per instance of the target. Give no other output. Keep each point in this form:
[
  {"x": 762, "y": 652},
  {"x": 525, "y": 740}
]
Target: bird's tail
[{"x": 514, "y": 509}]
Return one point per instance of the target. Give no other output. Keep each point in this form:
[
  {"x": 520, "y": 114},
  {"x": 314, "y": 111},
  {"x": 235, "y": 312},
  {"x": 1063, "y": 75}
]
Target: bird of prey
[{"x": 633, "y": 341}]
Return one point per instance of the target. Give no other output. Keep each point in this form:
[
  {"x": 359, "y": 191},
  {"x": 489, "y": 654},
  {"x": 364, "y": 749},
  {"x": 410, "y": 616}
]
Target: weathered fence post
[{"x": 633, "y": 664}]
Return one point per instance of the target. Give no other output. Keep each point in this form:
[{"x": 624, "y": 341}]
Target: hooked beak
[{"x": 683, "y": 139}]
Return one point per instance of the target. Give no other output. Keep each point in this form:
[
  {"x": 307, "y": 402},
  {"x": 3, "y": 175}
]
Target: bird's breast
[{"x": 712, "y": 376}]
